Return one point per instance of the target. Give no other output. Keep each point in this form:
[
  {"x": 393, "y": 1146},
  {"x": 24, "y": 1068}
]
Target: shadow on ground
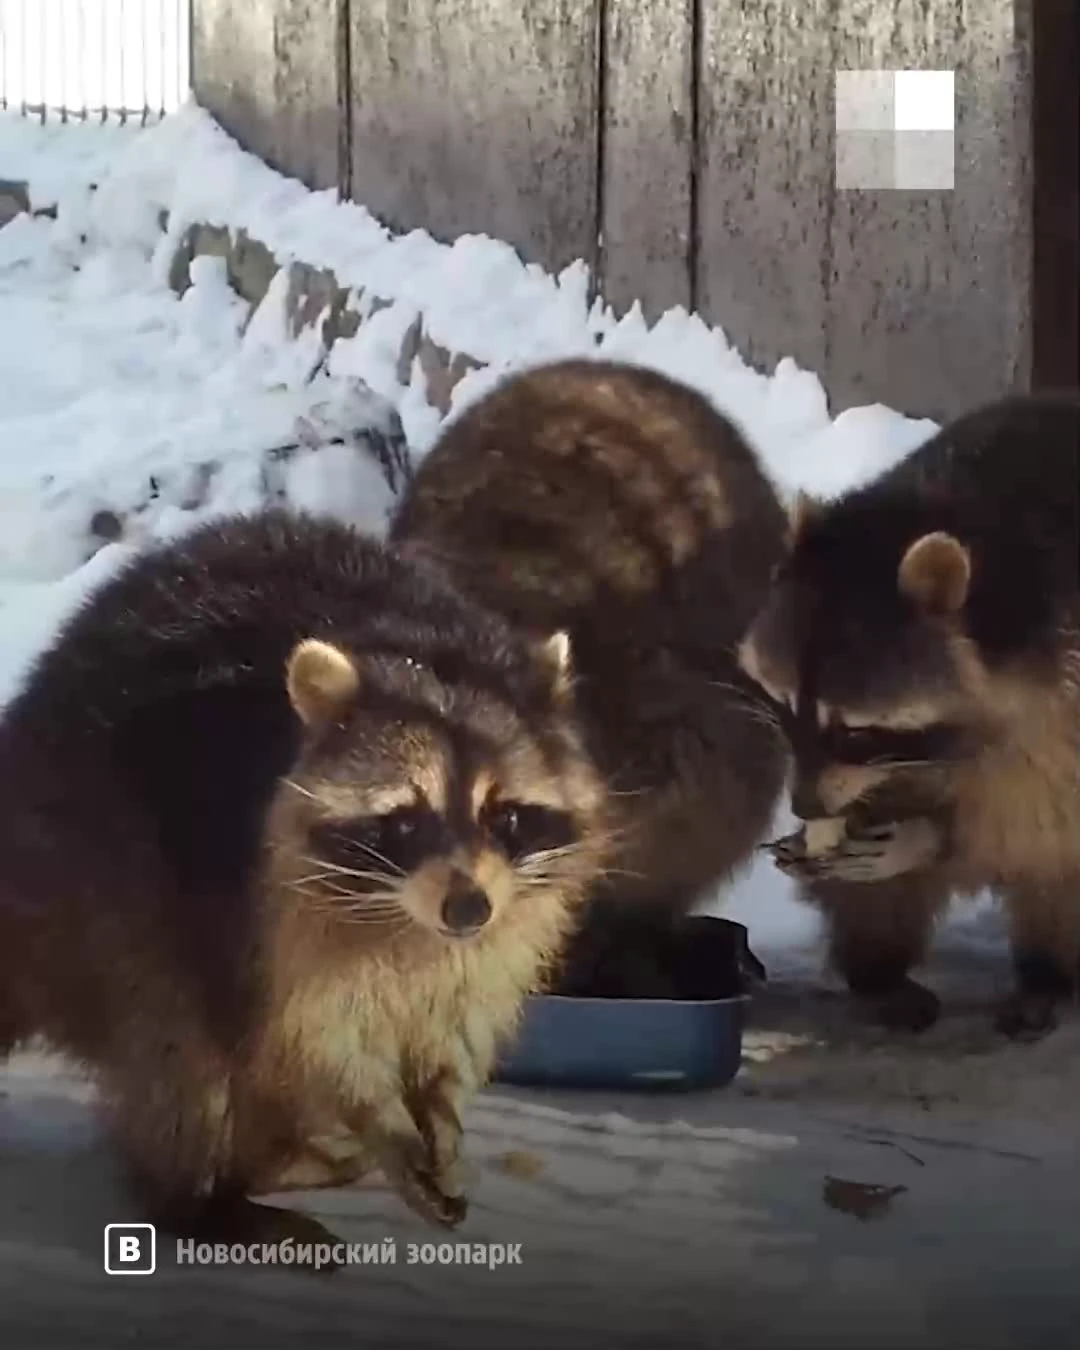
[{"x": 730, "y": 1218}]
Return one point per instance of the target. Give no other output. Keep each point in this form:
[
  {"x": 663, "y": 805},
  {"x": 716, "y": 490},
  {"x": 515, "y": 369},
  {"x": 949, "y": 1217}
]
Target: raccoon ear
[
  {"x": 800, "y": 514},
  {"x": 935, "y": 573},
  {"x": 320, "y": 679},
  {"x": 557, "y": 659}
]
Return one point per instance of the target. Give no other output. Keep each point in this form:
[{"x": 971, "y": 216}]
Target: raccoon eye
[
  {"x": 854, "y": 744},
  {"x": 522, "y": 828},
  {"x": 398, "y": 841}
]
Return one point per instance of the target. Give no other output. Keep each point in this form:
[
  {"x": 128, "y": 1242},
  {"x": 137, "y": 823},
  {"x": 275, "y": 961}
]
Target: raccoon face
[
  {"x": 861, "y": 649},
  {"x": 448, "y": 809}
]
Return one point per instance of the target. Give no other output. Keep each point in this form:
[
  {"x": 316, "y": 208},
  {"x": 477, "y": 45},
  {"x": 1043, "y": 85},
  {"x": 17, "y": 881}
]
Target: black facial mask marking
[
  {"x": 392, "y": 844},
  {"x": 884, "y": 745},
  {"x": 864, "y": 745},
  {"x": 520, "y": 829}
]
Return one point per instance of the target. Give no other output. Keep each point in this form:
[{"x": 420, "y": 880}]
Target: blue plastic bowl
[{"x": 635, "y": 1043}]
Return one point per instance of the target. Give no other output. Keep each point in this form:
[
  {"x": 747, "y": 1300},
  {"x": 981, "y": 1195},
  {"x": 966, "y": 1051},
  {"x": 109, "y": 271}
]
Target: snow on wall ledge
[{"x": 431, "y": 326}]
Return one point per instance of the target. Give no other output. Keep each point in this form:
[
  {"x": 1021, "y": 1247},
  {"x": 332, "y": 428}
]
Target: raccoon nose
[{"x": 465, "y": 907}]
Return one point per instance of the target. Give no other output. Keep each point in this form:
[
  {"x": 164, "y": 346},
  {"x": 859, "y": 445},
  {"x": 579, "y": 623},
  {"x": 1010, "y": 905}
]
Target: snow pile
[
  {"x": 127, "y": 414},
  {"x": 478, "y": 297}
]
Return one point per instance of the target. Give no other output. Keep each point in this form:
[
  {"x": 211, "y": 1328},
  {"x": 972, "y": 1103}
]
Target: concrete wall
[{"x": 685, "y": 149}]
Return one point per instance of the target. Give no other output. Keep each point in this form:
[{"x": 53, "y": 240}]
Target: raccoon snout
[{"x": 465, "y": 907}]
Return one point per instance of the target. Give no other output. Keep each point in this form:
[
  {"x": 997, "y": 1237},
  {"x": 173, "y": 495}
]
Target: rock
[
  {"x": 14, "y": 200},
  {"x": 106, "y": 527},
  {"x": 440, "y": 368},
  {"x": 251, "y": 266},
  {"x": 354, "y": 415},
  {"x": 213, "y": 241},
  {"x": 314, "y": 292},
  {"x": 410, "y": 347}
]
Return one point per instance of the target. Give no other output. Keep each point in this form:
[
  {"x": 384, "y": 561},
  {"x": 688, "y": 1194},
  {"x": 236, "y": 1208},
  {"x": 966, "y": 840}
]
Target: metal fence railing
[{"x": 122, "y": 59}]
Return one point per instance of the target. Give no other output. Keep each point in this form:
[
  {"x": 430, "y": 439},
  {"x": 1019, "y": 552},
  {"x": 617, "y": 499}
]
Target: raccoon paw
[
  {"x": 910, "y": 1007},
  {"x": 1027, "y": 1015},
  {"x": 882, "y": 852},
  {"x": 408, "y": 1167}
]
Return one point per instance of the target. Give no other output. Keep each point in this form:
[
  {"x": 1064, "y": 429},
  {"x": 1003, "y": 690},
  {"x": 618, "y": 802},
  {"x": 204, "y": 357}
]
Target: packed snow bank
[{"x": 478, "y": 298}]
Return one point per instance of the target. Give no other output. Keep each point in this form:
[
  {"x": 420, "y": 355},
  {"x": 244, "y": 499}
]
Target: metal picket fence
[{"x": 102, "y": 59}]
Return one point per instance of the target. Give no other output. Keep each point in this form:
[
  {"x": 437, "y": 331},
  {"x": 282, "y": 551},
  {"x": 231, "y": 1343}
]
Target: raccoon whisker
[
  {"x": 884, "y": 762},
  {"x": 769, "y": 723},
  {"x": 393, "y": 925},
  {"x": 378, "y": 877},
  {"x": 540, "y": 863},
  {"x": 358, "y": 913},
  {"x": 748, "y": 699},
  {"x": 303, "y": 791},
  {"x": 391, "y": 929},
  {"x": 330, "y": 893},
  {"x": 339, "y": 869},
  {"x": 554, "y": 876},
  {"x": 327, "y": 873},
  {"x": 379, "y": 858},
  {"x": 375, "y": 910},
  {"x": 349, "y": 907}
]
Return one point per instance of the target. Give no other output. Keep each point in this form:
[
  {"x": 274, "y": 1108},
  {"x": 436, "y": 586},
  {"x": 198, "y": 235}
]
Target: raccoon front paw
[
  {"x": 409, "y": 1167},
  {"x": 442, "y": 1132},
  {"x": 881, "y": 852},
  {"x": 1027, "y": 1015}
]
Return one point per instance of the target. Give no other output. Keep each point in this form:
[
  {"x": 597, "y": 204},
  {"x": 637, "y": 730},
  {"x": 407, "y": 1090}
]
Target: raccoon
[
  {"x": 613, "y": 503},
  {"x": 922, "y": 642},
  {"x": 289, "y": 830}
]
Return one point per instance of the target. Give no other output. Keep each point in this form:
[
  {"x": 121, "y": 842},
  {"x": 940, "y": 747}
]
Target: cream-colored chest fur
[
  {"x": 1018, "y": 804},
  {"x": 370, "y": 1029}
]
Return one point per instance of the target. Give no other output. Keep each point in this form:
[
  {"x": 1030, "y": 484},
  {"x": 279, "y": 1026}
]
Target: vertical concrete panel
[
  {"x": 479, "y": 116},
  {"x": 929, "y": 292},
  {"x": 765, "y": 174},
  {"x": 308, "y": 108},
  {"x": 232, "y": 67},
  {"x": 646, "y": 164},
  {"x": 269, "y": 72}
]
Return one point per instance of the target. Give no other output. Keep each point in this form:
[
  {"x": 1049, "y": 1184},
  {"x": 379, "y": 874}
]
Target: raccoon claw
[
  {"x": 874, "y": 853},
  {"x": 409, "y": 1169},
  {"x": 861, "y": 858},
  {"x": 789, "y": 855},
  {"x": 882, "y": 852},
  {"x": 1027, "y": 1016}
]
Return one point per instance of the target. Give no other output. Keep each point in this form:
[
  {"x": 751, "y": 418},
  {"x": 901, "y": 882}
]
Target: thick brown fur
[
  {"x": 923, "y": 640},
  {"x": 289, "y": 830},
  {"x": 619, "y": 505}
]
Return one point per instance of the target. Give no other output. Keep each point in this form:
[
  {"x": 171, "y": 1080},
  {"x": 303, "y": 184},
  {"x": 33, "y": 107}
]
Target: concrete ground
[{"x": 847, "y": 1190}]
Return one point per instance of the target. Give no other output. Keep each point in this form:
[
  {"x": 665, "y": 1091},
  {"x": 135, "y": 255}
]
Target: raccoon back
[{"x": 604, "y": 498}]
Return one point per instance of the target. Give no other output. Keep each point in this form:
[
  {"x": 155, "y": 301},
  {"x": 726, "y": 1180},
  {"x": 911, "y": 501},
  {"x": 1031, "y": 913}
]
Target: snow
[{"x": 109, "y": 381}]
